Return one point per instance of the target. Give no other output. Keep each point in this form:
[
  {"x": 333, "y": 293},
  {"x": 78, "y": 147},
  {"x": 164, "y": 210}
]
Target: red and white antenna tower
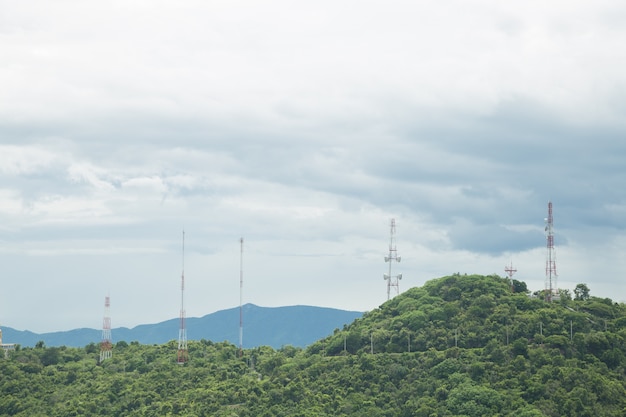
[
  {"x": 510, "y": 271},
  {"x": 241, "y": 298},
  {"x": 552, "y": 291},
  {"x": 392, "y": 280},
  {"x": 182, "y": 355},
  {"x": 106, "y": 345}
]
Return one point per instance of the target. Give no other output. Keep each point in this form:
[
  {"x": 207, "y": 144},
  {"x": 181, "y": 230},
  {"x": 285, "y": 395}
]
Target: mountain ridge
[{"x": 297, "y": 325}]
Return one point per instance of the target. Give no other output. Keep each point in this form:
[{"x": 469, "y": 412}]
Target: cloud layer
[{"x": 303, "y": 128}]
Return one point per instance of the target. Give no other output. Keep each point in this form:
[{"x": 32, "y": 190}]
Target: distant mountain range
[{"x": 297, "y": 326}]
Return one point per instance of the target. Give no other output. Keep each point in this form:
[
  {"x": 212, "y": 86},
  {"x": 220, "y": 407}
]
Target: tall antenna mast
[
  {"x": 182, "y": 355},
  {"x": 510, "y": 271},
  {"x": 392, "y": 281},
  {"x": 552, "y": 291},
  {"x": 241, "y": 298},
  {"x": 106, "y": 345}
]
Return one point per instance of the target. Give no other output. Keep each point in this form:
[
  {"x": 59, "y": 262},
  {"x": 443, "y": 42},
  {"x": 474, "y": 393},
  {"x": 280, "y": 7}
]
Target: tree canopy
[{"x": 461, "y": 345}]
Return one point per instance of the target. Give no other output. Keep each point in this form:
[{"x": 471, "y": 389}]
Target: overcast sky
[{"x": 303, "y": 127}]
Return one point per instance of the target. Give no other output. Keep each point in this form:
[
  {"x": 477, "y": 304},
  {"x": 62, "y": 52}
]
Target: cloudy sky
[{"x": 303, "y": 127}]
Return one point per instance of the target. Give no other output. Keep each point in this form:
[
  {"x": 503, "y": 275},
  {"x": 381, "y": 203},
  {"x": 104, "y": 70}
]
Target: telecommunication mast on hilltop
[
  {"x": 106, "y": 345},
  {"x": 392, "y": 280},
  {"x": 552, "y": 291},
  {"x": 510, "y": 271},
  {"x": 182, "y": 354}
]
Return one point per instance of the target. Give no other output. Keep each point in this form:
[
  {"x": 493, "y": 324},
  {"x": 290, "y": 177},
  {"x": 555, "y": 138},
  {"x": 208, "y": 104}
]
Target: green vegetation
[{"x": 458, "y": 346}]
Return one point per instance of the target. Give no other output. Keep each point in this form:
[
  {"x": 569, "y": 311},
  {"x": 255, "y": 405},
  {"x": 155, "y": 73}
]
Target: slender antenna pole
[
  {"x": 241, "y": 298},
  {"x": 182, "y": 354}
]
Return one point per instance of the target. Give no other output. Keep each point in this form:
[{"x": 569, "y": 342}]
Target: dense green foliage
[{"x": 458, "y": 346}]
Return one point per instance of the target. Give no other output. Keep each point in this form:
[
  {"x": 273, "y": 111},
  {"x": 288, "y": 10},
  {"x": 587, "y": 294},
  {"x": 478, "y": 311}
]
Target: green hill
[{"x": 458, "y": 346}]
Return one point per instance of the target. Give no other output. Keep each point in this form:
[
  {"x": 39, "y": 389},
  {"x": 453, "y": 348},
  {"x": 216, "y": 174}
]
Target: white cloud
[
  {"x": 24, "y": 160},
  {"x": 10, "y": 202},
  {"x": 319, "y": 60},
  {"x": 149, "y": 184},
  {"x": 81, "y": 172},
  {"x": 70, "y": 210},
  {"x": 303, "y": 128}
]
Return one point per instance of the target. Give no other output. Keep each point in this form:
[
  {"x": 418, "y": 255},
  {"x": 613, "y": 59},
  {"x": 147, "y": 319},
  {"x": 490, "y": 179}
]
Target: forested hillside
[{"x": 458, "y": 346}]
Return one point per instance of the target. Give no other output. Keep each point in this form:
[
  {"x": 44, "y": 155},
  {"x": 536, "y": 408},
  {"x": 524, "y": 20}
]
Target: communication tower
[
  {"x": 510, "y": 271},
  {"x": 392, "y": 280},
  {"x": 182, "y": 355},
  {"x": 241, "y": 298},
  {"x": 106, "y": 345},
  {"x": 552, "y": 291}
]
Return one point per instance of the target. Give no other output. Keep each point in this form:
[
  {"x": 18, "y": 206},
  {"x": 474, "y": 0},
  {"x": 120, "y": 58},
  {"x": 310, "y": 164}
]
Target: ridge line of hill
[{"x": 297, "y": 325}]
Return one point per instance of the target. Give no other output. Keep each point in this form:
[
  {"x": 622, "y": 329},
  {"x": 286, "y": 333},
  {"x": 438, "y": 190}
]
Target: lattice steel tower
[
  {"x": 552, "y": 291},
  {"x": 182, "y": 354},
  {"x": 106, "y": 345},
  {"x": 510, "y": 271},
  {"x": 392, "y": 280}
]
